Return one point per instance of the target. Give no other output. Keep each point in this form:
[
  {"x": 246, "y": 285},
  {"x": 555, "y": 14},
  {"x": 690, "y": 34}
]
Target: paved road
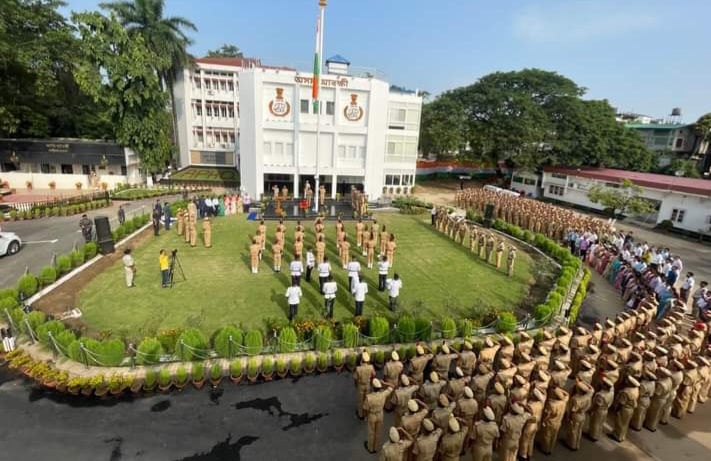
[{"x": 43, "y": 237}]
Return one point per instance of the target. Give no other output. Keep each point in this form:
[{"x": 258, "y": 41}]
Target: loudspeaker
[
  {"x": 489, "y": 211},
  {"x": 103, "y": 234}
]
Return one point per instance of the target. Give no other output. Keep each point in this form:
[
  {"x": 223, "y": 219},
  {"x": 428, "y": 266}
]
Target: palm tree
[{"x": 164, "y": 36}]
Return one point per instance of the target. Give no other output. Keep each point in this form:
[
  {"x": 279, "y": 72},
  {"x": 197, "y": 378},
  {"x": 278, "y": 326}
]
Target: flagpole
[{"x": 317, "y": 101}]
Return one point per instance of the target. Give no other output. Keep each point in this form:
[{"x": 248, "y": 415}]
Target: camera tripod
[{"x": 173, "y": 262}]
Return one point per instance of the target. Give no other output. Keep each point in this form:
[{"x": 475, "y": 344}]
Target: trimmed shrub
[
  {"x": 322, "y": 361},
  {"x": 267, "y": 366},
  {"x": 90, "y": 250},
  {"x": 423, "y": 329},
  {"x": 64, "y": 339},
  {"x": 222, "y": 343},
  {"x": 252, "y": 368},
  {"x": 27, "y": 285},
  {"x": 542, "y": 312},
  {"x": 181, "y": 375},
  {"x": 406, "y": 329},
  {"x": 149, "y": 351},
  {"x": 77, "y": 258},
  {"x": 309, "y": 362},
  {"x": 466, "y": 328},
  {"x": 351, "y": 361},
  {"x": 53, "y": 326},
  {"x": 48, "y": 275},
  {"x": 236, "y": 368},
  {"x": 168, "y": 339},
  {"x": 253, "y": 342},
  {"x": 216, "y": 371},
  {"x": 449, "y": 328},
  {"x": 506, "y": 323},
  {"x": 338, "y": 358},
  {"x": 164, "y": 377},
  {"x": 295, "y": 366},
  {"x": 379, "y": 329},
  {"x": 35, "y": 319},
  {"x": 280, "y": 366},
  {"x": 350, "y": 335},
  {"x": 192, "y": 345},
  {"x": 287, "y": 340},
  {"x": 64, "y": 264},
  {"x": 8, "y": 303},
  {"x": 9, "y": 293},
  {"x": 322, "y": 338},
  {"x": 197, "y": 371},
  {"x": 111, "y": 352}
]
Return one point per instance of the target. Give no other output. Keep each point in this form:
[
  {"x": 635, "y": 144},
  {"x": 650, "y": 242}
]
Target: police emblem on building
[
  {"x": 279, "y": 107},
  {"x": 353, "y": 111}
]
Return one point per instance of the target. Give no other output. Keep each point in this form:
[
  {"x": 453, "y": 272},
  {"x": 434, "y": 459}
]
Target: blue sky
[{"x": 643, "y": 56}]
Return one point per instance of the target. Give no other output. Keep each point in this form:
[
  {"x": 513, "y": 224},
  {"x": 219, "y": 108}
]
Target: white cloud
[{"x": 575, "y": 21}]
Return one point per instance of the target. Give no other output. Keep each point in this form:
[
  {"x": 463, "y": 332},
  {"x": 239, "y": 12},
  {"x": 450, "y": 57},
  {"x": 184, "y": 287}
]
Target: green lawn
[{"x": 439, "y": 278}]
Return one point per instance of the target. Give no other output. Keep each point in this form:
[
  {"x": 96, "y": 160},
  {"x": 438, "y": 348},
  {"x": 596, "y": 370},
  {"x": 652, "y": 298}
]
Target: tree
[
  {"x": 226, "y": 51},
  {"x": 621, "y": 200},
  {"x": 117, "y": 70},
  {"x": 443, "y": 127},
  {"x": 702, "y": 128}
]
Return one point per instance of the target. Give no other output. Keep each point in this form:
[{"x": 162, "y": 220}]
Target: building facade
[
  {"x": 686, "y": 202},
  {"x": 365, "y": 136},
  {"x": 66, "y": 163}
]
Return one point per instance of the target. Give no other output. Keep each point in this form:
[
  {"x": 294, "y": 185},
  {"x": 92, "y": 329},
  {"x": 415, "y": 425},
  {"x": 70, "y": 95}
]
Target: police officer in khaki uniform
[
  {"x": 647, "y": 386},
  {"x": 498, "y": 401},
  {"x": 373, "y": 406},
  {"x": 207, "y": 232},
  {"x": 425, "y": 447},
  {"x": 443, "y": 360},
  {"x": 456, "y": 385},
  {"x": 401, "y": 396},
  {"x": 580, "y": 403},
  {"x": 662, "y": 389},
  {"x": 586, "y": 372},
  {"x": 488, "y": 352},
  {"x": 484, "y": 434},
  {"x": 625, "y": 404},
  {"x": 431, "y": 389},
  {"x": 467, "y": 359},
  {"x": 601, "y": 403},
  {"x": 393, "y": 368},
  {"x": 511, "y": 429},
  {"x": 480, "y": 382},
  {"x": 525, "y": 365},
  {"x": 451, "y": 443},
  {"x": 440, "y": 415},
  {"x": 362, "y": 376},
  {"x": 418, "y": 364},
  {"x": 254, "y": 255},
  {"x": 683, "y": 396},
  {"x": 534, "y": 412},
  {"x": 553, "y": 414},
  {"x": 510, "y": 261},
  {"x": 397, "y": 448},
  {"x": 416, "y": 412},
  {"x": 677, "y": 376},
  {"x": 467, "y": 408}
]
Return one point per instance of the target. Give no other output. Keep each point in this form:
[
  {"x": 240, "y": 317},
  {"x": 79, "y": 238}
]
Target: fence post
[
  {"x": 229, "y": 347},
  {"x": 84, "y": 354},
  {"x": 13, "y": 327},
  {"x": 55, "y": 352},
  {"x": 29, "y": 330},
  {"x": 181, "y": 349}
]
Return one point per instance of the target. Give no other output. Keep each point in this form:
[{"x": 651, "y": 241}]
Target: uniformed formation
[
  {"x": 187, "y": 226},
  {"x": 550, "y": 220},
  {"x": 629, "y": 373},
  {"x": 487, "y": 244}
]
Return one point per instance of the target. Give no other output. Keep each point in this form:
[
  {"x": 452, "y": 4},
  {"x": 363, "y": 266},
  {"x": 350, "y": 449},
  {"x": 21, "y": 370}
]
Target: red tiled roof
[{"x": 652, "y": 180}]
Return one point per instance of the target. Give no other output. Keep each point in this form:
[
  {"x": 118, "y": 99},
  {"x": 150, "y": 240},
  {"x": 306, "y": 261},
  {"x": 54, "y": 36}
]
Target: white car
[{"x": 10, "y": 243}]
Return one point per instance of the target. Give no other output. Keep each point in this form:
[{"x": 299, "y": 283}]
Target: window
[
  {"x": 278, "y": 148},
  {"x": 304, "y": 106},
  {"x": 351, "y": 151},
  {"x": 67, "y": 169},
  {"x": 679, "y": 143},
  {"x": 267, "y": 148},
  {"x": 124, "y": 170},
  {"x": 556, "y": 190},
  {"x": 198, "y": 110},
  {"x": 559, "y": 176},
  {"x": 529, "y": 181},
  {"x": 231, "y": 85},
  {"x": 208, "y": 110},
  {"x": 389, "y": 179},
  {"x": 223, "y": 111},
  {"x": 330, "y": 108},
  {"x": 398, "y": 115},
  {"x": 207, "y": 84},
  {"x": 678, "y": 215},
  {"x": 518, "y": 179},
  {"x": 198, "y": 85},
  {"x": 392, "y": 148},
  {"x": 231, "y": 112},
  {"x": 84, "y": 169},
  {"x": 223, "y": 85}
]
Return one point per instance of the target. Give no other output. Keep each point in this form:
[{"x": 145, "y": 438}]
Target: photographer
[
  {"x": 129, "y": 268},
  {"x": 164, "y": 268}
]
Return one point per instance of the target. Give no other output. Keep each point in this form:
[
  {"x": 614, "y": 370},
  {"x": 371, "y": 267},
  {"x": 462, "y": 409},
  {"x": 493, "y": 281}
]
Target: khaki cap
[
  {"x": 488, "y": 342},
  {"x": 661, "y": 351},
  {"x": 445, "y": 348},
  {"x": 691, "y": 364},
  {"x": 547, "y": 334},
  {"x": 505, "y": 364},
  {"x": 560, "y": 394},
  {"x": 650, "y": 376},
  {"x": 394, "y": 356},
  {"x": 394, "y": 435},
  {"x": 612, "y": 364},
  {"x": 639, "y": 336},
  {"x": 607, "y": 382},
  {"x": 704, "y": 361},
  {"x": 507, "y": 340},
  {"x": 593, "y": 348},
  {"x": 626, "y": 342},
  {"x": 611, "y": 348},
  {"x": 467, "y": 345},
  {"x": 652, "y": 335},
  {"x": 365, "y": 357},
  {"x": 664, "y": 371},
  {"x": 468, "y": 392},
  {"x": 597, "y": 326},
  {"x": 649, "y": 355},
  {"x": 581, "y": 331},
  {"x": 459, "y": 372},
  {"x": 542, "y": 350},
  {"x": 376, "y": 383},
  {"x": 489, "y": 413},
  {"x": 412, "y": 405},
  {"x": 559, "y": 365},
  {"x": 585, "y": 364},
  {"x": 678, "y": 338},
  {"x": 520, "y": 380},
  {"x": 582, "y": 386},
  {"x": 499, "y": 388},
  {"x": 678, "y": 364},
  {"x": 564, "y": 347},
  {"x": 483, "y": 368},
  {"x": 538, "y": 395},
  {"x": 420, "y": 350},
  {"x": 516, "y": 408},
  {"x": 434, "y": 377},
  {"x": 525, "y": 357},
  {"x": 524, "y": 336},
  {"x": 404, "y": 380},
  {"x": 563, "y": 331},
  {"x": 633, "y": 382},
  {"x": 454, "y": 424},
  {"x": 544, "y": 375},
  {"x": 428, "y": 425},
  {"x": 609, "y": 323},
  {"x": 443, "y": 400}
]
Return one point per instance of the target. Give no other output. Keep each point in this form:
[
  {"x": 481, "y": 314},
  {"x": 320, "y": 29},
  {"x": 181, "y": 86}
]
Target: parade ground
[{"x": 440, "y": 278}]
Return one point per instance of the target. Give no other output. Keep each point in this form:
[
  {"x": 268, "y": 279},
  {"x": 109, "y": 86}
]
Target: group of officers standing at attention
[
  {"x": 187, "y": 226},
  {"x": 488, "y": 245},
  {"x": 507, "y": 396},
  {"x": 552, "y": 221},
  {"x": 366, "y": 242}
]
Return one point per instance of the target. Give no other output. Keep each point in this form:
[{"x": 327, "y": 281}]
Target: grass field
[{"x": 440, "y": 278}]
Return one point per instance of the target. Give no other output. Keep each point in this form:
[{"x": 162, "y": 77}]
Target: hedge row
[
  {"x": 64, "y": 210},
  {"x": 130, "y": 226},
  {"x": 579, "y": 297}
]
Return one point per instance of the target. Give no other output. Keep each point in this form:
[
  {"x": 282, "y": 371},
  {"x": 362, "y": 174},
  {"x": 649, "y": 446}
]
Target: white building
[
  {"x": 367, "y": 135},
  {"x": 686, "y": 202}
]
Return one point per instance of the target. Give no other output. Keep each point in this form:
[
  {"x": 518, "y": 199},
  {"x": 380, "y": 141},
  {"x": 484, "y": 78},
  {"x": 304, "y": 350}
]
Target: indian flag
[{"x": 317, "y": 66}]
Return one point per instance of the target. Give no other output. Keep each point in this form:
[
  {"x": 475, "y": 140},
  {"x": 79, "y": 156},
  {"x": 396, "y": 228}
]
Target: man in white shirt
[
  {"x": 310, "y": 263},
  {"x": 324, "y": 271},
  {"x": 699, "y": 298},
  {"x": 353, "y": 268},
  {"x": 293, "y": 296},
  {"x": 129, "y": 267},
  {"x": 394, "y": 285},
  {"x": 383, "y": 266},
  {"x": 329, "y": 293},
  {"x": 361, "y": 289},
  {"x": 433, "y": 214},
  {"x": 687, "y": 287},
  {"x": 296, "y": 268}
]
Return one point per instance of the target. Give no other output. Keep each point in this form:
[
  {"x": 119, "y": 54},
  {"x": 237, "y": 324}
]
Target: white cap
[
  {"x": 394, "y": 435},
  {"x": 394, "y": 355},
  {"x": 434, "y": 377},
  {"x": 412, "y": 405},
  {"x": 489, "y": 413}
]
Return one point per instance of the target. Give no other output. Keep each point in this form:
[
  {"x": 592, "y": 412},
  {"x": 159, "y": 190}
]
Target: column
[
  {"x": 334, "y": 179},
  {"x": 296, "y": 186}
]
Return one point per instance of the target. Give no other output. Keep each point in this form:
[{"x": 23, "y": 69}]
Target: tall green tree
[
  {"x": 118, "y": 70},
  {"x": 702, "y": 128},
  {"x": 226, "y": 51},
  {"x": 621, "y": 200}
]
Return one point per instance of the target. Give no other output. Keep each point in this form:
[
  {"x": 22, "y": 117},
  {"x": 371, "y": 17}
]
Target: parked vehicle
[{"x": 10, "y": 243}]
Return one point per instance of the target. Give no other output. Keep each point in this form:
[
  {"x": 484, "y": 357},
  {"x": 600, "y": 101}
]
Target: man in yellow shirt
[{"x": 164, "y": 268}]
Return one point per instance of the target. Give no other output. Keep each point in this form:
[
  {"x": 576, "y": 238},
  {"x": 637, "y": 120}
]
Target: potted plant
[
  {"x": 267, "y": 368},
  {"x": 95, "y": 383},
  {"x": 28, "y": 184},
  {"x": 78, "y": 185},
  {"x": 62, "y": 381},
  {"x": 198, "y": 375},
  {"x": 322, "y": 362},
  {"x": 351, "y": 361},
  {"x": 281, "y": 370},
  {"x": 309, "y": 363},
  {"x": 295, "y": 367},
  {"x": 75, "y": 385},
  {"x": 181, "y": 377},
  {"x": 338, "y": 360},
  {"x": 252, "y": 370},
  {"x": 149, "y": 382},
  {"x": 117, "y": 385},
  {"x": 52, "y": 185},
  {"x": 164, "y": 380},
  {"x": 379, "y": 358},
  {"x": 215, "y": 374},
  {"x": 236, "y": 371}
]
